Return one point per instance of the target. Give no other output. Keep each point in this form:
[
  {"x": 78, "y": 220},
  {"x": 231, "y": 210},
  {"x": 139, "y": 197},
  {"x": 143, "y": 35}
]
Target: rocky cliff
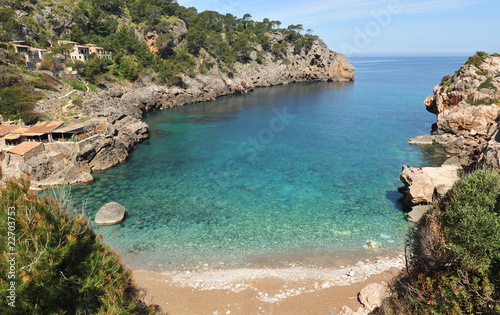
[
  {"x": 467, "y": 105},
  {"x": 123, "y": 105},
  {"x": 467, "y": 109}
]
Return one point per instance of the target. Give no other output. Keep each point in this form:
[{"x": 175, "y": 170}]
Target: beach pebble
[
  {"x": 350, "y": 273},
  {"x": 372, "y": 244}
]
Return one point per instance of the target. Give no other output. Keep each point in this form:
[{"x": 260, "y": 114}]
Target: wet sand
[{"x": 293, "y": 289}]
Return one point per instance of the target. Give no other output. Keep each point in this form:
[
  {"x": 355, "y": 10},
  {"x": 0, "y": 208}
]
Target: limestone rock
[
  {"x": 109, "y": 214},
  {"x": 422, "y": 140},
  {"x": 373, "y": 295},
  {"x": 421, "y": 183},
  {"x": 416, "y": 213},
  {"x": 491, "y": 154},
  {"x": 468, "y": 120},
  {"x": 346, "y": 310},
  {"x": 466, "y": 103}
]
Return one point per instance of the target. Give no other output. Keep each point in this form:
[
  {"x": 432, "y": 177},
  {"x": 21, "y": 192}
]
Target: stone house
[
  {"x": 33, "y": 56},
  {"x": 99, "y": 51},
  {"x": 82, "y": 52}
]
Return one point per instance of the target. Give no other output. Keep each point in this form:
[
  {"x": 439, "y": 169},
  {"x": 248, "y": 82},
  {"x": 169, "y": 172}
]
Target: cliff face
[
  {"x": 467, "y": 109},
  {"x": 319, "y": 64},
  {"x": 467, "y": 101},
  {"x": 123, "y": 106}
]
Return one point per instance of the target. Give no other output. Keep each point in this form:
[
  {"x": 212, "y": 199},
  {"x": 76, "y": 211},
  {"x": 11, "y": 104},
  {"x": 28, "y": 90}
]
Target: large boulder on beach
[
  {"x": 111, "y": 213},
  {"x": 373, "y": 294}
]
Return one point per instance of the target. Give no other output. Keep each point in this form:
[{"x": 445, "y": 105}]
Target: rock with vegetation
[
  {"x": 467, "y": 106},
  {"x": 60, "y": 265},
  {"x": 454, "y": 265}
]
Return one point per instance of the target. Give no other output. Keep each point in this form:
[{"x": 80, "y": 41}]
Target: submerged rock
[{"x": 111, "y": 213}]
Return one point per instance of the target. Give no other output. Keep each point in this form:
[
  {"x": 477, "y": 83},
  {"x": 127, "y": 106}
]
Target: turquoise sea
[{"x": 287, "y": 170}]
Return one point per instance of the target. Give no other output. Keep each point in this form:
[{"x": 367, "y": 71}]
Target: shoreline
[
  {"x": 266, "y": 289},
  {"x": 316, "y": 260}
]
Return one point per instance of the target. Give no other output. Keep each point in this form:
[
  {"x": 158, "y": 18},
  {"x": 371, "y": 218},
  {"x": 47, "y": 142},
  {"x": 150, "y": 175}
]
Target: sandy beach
[{"x": 295, "y": 289}]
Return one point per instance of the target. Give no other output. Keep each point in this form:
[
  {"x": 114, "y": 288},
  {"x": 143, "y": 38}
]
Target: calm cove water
[{"x": 296, "y": 169}]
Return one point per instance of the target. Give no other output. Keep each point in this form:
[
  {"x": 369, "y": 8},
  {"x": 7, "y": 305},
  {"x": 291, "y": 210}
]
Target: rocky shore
[
  {"x": 122, "y": 106},
  {"x": 467, "y": 107}
]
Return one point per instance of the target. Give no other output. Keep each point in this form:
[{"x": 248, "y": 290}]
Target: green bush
[
  {"x": 455, "y": 263},
  {"x": 77, "y": 85},
  {"x": 61, "y": 266},
  {"x": 482, "y": 72},
  {"x": 17, "y": 102},
  {"x": 486, "y": 85},
  {"x": 477, "y": 59}
]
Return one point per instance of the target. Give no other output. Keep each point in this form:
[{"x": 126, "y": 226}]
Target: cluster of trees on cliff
[{"x": 119, "y": 25}]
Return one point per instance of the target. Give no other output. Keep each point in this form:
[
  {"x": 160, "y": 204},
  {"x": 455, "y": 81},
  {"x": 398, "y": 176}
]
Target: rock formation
[
  {"x": 427, "y": 184},
  {"x": 467, "y": 105}
]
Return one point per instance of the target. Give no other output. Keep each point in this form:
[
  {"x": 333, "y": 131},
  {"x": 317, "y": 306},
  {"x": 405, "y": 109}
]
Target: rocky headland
[
  {"x": 122, "y": 105},
  {"x": 467, "y": 106}
]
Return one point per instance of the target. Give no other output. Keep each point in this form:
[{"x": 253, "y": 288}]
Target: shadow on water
[
  {"x": 228, "y": 107},
  {"x": 395, "y": 197}
]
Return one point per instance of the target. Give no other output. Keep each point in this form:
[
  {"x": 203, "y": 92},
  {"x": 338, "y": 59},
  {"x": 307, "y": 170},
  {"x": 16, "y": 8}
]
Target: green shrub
[
  {"x": 77, "y": 85},
  {"x": 455, "y": 263},
  {"x": 486, "y": 101},
  {"x": 486, "y": 85},
  {"x": 61, "y": 266},
  {"x": 477, "y": 59},
  {"x": 482, "y": 72},
  {"x": 17, "y": 102}
]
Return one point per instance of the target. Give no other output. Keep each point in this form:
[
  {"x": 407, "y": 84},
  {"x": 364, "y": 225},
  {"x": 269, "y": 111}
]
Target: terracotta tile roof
[
  {"x": 24, "y": 147},
  {"x": 45, "y": 126},
  {"x": 21, "y": 129},
  {"x": 5, "y": 129}
]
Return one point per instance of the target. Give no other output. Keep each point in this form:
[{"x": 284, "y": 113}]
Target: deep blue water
[{"x": 300, "y": 168}]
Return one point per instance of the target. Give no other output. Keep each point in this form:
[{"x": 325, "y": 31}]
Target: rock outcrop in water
[
  {"x": 109, "y": 214},
  {"x": 121, "y": 107},
  {"x": 467, "y": 105}
]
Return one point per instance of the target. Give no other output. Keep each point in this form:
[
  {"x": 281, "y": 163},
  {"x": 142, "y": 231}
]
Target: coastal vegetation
[
  {"x": 475, "y": 62},
  {"x": 454, "y": 264},
  {"x": 60, "y": 265},
  {"x": 20, "y": 89}
]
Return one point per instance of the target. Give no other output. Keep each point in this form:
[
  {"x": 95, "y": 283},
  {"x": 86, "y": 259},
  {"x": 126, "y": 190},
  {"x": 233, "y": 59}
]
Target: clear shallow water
[{"x": 303, "y": 168}]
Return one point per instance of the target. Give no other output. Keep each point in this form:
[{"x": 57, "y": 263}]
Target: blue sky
[{"x": 381, "y": 27}]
